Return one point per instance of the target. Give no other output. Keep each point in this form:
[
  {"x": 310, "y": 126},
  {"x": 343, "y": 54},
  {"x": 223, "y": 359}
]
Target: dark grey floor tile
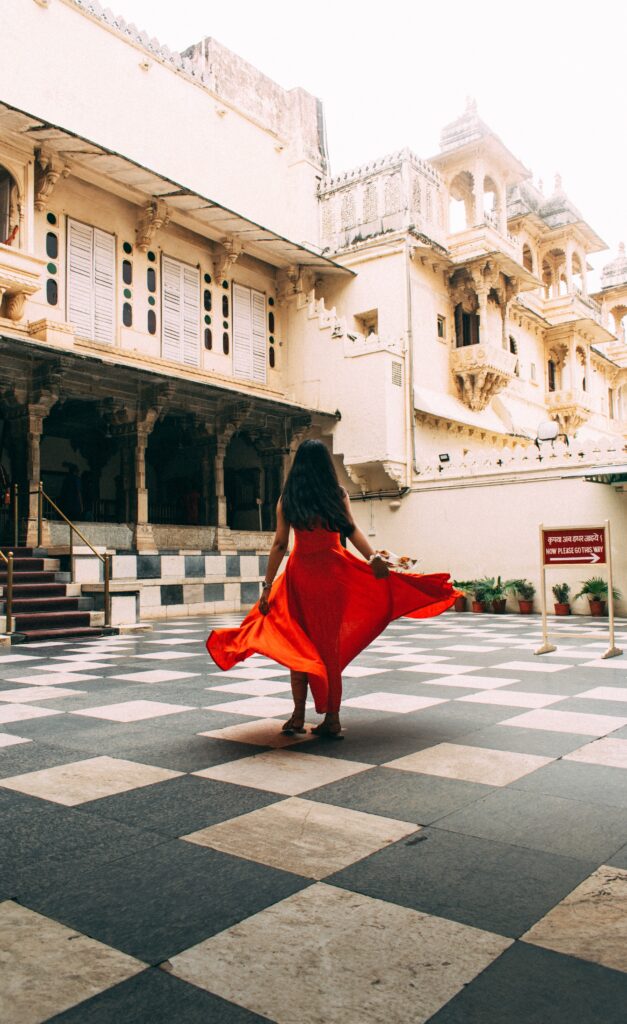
[
  {"x": 590, "y": 706},
  {"x": 154, "y": 997},
  {"x": 180, "y": 753},
  {"x": 489, "y": 885},
  {"x": 180, "y": 806},
  {"x": 528, "y": 985},
  {"x": 570, "y": 828},
  {"x": 560, "y": 684},
  {"x": 406, "y": 796},
  {"x": 32, "y": 757},
  {"x": 591, "y": 783},
  {"x": 165, "y": 899},
  {"x": 455, "y": 719},
  {"x": 618, "y": 859},
  {"x": 374, "y": 740},
  {"x": 45, "y": 846},
  {"x": 525, "y": 741}
]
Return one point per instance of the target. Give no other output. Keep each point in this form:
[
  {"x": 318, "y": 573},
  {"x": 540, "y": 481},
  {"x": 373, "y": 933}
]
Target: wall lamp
[
  {"x": 445, "y": 457},
  {"x": 549, "y": 430}
]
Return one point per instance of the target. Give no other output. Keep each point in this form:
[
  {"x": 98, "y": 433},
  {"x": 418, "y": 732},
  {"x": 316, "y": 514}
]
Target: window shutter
[
  {"x": 259, "y": 336},
  {"x": 171, "y": 309},
  {"x": 80, "y": 264},
  {"x": 242, "y": 332},
  {"x": 191, "y": 315},
  {"x": 104, "y": 286}
]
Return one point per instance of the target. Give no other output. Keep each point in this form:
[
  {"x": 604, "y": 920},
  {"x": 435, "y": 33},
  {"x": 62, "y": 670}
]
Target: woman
[{"x": 328, "y": 605}]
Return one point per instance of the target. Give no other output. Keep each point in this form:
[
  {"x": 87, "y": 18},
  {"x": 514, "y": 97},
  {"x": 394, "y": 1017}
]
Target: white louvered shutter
[
  {"x": 80, "y": 278},
  {"x": 104, "y": 286},
  {"x": 242, "y": 333},
  {"x": 171, "y": 309},
  {"x": 259, "y": 336},
  {"x": 191, "y": 315}
]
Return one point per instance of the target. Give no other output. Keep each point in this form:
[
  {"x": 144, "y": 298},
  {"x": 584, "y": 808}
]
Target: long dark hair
[{"x": 312, "y": 495}]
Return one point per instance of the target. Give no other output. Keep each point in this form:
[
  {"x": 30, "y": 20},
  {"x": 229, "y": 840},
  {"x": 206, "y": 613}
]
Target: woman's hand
[
  {"x": 264, "y": 601},
  {"x": 379, "y": 567}
]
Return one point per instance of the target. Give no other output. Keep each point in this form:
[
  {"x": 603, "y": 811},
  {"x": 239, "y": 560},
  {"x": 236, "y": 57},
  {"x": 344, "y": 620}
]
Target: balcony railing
[{"x": 481, "y": 239}]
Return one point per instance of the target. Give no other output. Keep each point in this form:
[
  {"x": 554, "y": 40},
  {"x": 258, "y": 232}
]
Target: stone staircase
[{"x": 46, "y": 604}]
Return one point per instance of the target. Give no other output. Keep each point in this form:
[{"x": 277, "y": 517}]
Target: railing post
[
  {"x": 107, "y": 591},
  {"x": 9, "y": 594},
  {"x": 40, "y": 514},
  {"x": 71, "y": 552},
  {"x": 16, "y": 515}
]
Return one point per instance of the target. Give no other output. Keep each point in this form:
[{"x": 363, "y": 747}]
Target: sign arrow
[{"x": 577, "y": 558}]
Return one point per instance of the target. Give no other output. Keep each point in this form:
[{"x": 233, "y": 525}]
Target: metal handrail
[
  {"x": 105, "y": 559},
  {"x": 8, "y": 560}
]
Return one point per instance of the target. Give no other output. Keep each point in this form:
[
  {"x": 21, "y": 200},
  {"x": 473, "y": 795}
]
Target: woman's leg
[
  {"x": 295, "y": 724},
  {"x": 331, "y": 725}
]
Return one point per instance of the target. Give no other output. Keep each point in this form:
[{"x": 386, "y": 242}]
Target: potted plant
[
  {"x": 477, "y": 595},
  {"x": 525, "y": 592},
  {"x": 561, "y": 593},
  {"x": 595, "y": 589},
  {"x": 461, "y": 601},
  {"x": 494, "y": 593}
]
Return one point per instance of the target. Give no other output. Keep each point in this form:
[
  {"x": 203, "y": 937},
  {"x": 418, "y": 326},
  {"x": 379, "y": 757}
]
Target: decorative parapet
[
  {"x": 524, "y": 461},
  {"x": 571, "y": 408},
  {"x": 385, "y": 163},
  {"x": 21, "y": 275},
  {"x": 481, "y": 372}
]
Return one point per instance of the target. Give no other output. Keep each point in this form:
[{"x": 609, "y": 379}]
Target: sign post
[{"x": 577, "y": 545}]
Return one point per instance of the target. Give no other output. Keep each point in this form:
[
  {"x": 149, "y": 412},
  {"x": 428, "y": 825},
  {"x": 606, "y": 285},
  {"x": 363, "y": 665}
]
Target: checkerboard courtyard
[{"x": 168, "y": 857}]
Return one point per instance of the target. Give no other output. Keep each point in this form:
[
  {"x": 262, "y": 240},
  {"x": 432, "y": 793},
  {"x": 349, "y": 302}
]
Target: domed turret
[{"x": 615, "y": 273}]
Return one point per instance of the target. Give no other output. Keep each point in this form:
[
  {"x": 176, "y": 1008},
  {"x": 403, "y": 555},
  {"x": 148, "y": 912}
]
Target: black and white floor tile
[{"x": 167, "y": 855}]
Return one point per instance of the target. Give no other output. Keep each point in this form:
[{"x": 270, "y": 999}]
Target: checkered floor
[{"x": 167, "y": 857}]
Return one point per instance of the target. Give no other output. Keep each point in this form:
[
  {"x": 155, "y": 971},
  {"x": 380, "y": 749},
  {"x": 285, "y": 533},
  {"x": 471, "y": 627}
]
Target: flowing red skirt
[{"x": 324, "y": 609}]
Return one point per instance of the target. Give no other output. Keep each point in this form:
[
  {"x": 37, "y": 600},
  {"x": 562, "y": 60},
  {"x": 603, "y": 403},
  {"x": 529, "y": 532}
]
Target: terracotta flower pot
[
  {"x": 478, "y": 606},
  {"x": 562, "y": 609},
  {"x": 597, "y": 607},
  {"x": 498, "y": 606},
  {"x": 460, "y": 604},
  {"x": 525, "y": 607}
]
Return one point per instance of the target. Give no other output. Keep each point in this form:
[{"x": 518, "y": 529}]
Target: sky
[{"x": 549, "y": 76}]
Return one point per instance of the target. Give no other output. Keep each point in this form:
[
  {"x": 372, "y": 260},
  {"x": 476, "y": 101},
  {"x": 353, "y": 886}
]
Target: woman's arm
[
  {"x": 277, "y": 553},
  {"x": 359, "y": 540}
]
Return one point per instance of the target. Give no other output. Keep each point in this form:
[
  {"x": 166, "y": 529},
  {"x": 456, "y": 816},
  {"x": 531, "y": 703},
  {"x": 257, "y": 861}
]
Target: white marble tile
[
  {"x": 609, "y": 751},
  {"x": 613, "y": 663},
  {"x": 471, "y": 764},
  {"x": 175, "y": 641},
  {"x": 468, "y": 682},
  {"x": 617, "y": 693},
  {"x": 254, "y": 688},
  {"x": 14, "y": 659},
  {"x": 6, "y": 740},
  {"x": 26, "y": 694},
  {"x": 532, "y": 666},
  {"x": 445, "y": 670},
  {"x": 21, "y": 712},
  {"x": 512, "y": 698},
  {"x": 395, "y": 703},
  {"x": 590, "y": 923},
  {"x": 287, "y": 772},
  {"x": 252, "y": 672},
  {"x": 171, "y": 655},
  {"x": 265, "y": 732},
  {"x": 48, "y": 968},
  {"x": 471, "y": 648},
  {"x": 567, "y": 721},
  {"x": 359, "y": 672},
  {"x": 256, "y": 707},
  {"x": 358, "y": 960},
  {"x": 53, "y": 679},
  {"x": 154, "y": 675},
  {"x": 419, "y": 659},
  {"x": 89, "y": 779},
  {"x": 71, "y": 666},
  {"x": 133, "y": 711},
  {"x": 308, "y": 838}
]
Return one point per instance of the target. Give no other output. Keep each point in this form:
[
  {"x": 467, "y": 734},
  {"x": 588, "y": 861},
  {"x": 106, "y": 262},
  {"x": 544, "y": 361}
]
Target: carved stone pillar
[
  {"x": 478, "y": 175},
  {"x": 482, "y": 312},
  {"x": 26, "y": 431},
  {"x": 569, "y": 269},
  {"x": 218, "y": 474},
  {"x": 207, "y": 491}
]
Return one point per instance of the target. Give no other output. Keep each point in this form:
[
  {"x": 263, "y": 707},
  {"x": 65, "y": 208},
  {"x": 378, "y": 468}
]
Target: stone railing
[
  {"x": 480, "y": 372},
  {"x": 525, "y": 458}
]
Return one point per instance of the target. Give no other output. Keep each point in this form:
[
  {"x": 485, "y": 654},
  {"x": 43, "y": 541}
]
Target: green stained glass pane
[
  {"x": 151, "y": 257},
  {"x": 127, "y": 247},
  {"x": 225, "y": 284},
  {"x": 51, "y": 218},
  {"x": 151, "y": 300},
  {"x": 207, "y": 319},
  {"x": 207, "y": 278},
  {"x": 51, "y": 268},
  {"x": 128, "y": 293},
  {"x": 271, "y": 340},
  {"x": 271, "y": 302},
  {"x": 225, "y": 324}
]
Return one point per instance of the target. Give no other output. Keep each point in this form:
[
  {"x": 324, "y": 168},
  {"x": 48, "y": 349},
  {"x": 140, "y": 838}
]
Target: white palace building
[{"x": 186, "y": 293}]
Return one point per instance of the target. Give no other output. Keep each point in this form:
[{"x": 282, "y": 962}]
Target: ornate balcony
[
  {"x": 580, "y": 309},
  {"x": 571, "y": 408},
  {"x": 481, "y": 240},
  {"x": 21, "y": 275},
  {"x": 480, "y": 372}
]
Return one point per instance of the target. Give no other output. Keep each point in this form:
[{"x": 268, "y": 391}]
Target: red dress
[{"x": 324, "y": 609}]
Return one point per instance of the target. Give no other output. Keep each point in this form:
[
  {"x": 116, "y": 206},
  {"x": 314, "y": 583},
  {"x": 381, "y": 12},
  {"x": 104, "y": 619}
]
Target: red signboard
[{"x": 574, "y": 546}]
